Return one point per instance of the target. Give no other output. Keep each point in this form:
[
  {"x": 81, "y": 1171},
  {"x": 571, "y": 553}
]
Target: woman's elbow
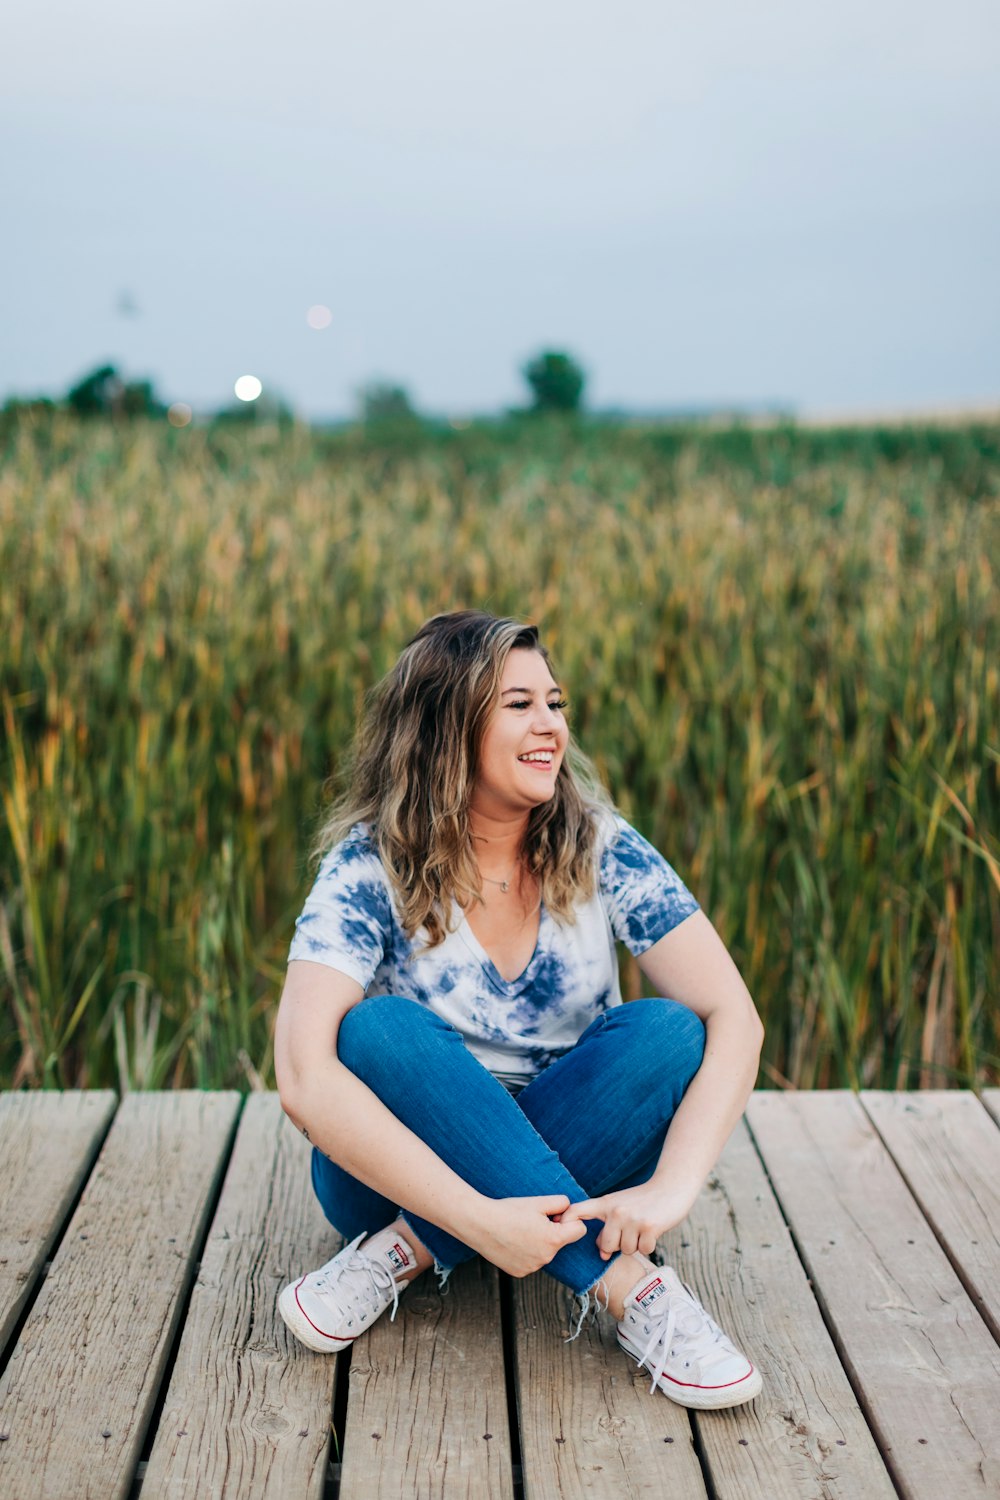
[
  {"x": 741, "y": 1018},
  {"x": 756, "y": 1026},
  {"x": 291, "y": 1080},
  {"x": 289, "y": 1094}
]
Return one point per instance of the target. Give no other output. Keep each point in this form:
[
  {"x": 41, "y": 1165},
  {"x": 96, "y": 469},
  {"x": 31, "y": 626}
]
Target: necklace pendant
[{"x": 505, "y": 886}]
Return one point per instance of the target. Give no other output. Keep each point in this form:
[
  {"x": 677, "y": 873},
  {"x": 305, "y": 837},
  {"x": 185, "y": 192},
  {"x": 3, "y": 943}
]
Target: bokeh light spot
[
  {"x": 248, "y": 388},
  {"x": 319, "y": 316},
  {"x": 179, "y": 414}
]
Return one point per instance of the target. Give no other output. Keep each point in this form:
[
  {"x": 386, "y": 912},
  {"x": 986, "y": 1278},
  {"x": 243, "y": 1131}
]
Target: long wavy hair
[{"x": 413, "y": 767}]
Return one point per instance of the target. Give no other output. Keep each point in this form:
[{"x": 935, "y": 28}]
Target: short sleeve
[
  {"x": 644, "y": 896},
  {"x": 346, "y": 922}
]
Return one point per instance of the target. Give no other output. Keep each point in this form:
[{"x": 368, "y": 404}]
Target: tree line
[{"x": 554, "y": 378}]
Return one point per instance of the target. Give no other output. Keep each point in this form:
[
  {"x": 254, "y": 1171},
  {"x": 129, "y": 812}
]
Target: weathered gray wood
[
  {"x": 47, "y": 1143},
  {"x": 248, "y": 1409},
  {"x": 427, "y": 1411},
  {"x": 76, "y": 1397},
  {"x": 589, "y": 1424},
  {"x": 991, "y": 1098},
  {"x": 948, "y": 1150},
  {"x": 804, "y": 1435},
  {"x": 920, "y": 1357}
]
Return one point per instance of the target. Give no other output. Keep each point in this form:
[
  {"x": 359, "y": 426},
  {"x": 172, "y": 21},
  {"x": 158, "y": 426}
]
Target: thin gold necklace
[{"x": 503, "y": 884}]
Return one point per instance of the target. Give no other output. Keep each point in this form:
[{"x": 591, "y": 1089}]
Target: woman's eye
[{"x": 560, "y": 703}]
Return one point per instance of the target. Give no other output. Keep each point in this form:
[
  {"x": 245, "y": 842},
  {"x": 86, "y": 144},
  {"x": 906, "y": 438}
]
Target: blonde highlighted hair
[{"x": 414, "y": 764}]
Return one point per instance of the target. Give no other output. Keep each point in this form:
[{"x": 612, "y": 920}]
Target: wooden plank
[
  {"x": 921, "y": 1359},
  {"x": 76, "y": 1396},
  {"x": 948, "y": 1150},
  {"x": 589, "y": 1425},
  {"x": 248, "y": 1409},
  {"x": 427, "y": 1410},
  {"x": 991, "y": 1098},
  {"x": 47, "y": 1144},
  {"x": 804, "y": 1435}
]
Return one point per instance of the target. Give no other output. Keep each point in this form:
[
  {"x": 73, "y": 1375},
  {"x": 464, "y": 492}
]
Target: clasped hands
[
  {"x": 634, "y": 1218},
  {"x": 521, "y": 1235}
]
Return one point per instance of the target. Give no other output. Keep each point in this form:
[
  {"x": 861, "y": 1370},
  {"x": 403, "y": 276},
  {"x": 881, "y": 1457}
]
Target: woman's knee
[
  {"x": 380, "y": 1029},
  {"x": 668, "y": 1033}
]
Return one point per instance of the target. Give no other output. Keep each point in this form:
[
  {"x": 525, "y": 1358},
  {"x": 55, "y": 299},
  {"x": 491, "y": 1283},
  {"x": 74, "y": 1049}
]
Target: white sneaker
[
  {"x": 665, "y": 1328},
  {"x": 329, "y": 1308}
]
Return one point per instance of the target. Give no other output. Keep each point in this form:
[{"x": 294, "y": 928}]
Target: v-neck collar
[{"x": 470, "y": 940}]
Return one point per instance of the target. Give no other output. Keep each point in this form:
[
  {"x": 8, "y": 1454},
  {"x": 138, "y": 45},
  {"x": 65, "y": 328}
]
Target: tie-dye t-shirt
[{"x": 515, "y": 1027}]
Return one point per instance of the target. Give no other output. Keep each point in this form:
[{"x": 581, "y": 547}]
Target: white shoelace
[
  {"x": 683, "y": 1316},
  {"x": 381, "y": 1279}
]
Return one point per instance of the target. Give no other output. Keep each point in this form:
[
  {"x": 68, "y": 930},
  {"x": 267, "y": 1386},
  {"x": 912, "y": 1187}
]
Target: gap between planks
[
  {"x": 48, "y": 1142},
  {"x": 247, "y": 1412},
  {"x": 921, "y": 1359},
  {"x": 76, "y": 1409}
]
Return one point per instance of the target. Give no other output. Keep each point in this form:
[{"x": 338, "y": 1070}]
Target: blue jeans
[{"x": 591, "y": 1122}]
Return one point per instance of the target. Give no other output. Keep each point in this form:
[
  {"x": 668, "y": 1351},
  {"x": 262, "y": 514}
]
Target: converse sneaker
[
  {"x": 328, "y": 1309},
  {"x": 665, "y": 1328}
]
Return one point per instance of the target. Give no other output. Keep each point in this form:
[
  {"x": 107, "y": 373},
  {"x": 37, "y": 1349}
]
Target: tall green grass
[{"x": 782, "y": 649}]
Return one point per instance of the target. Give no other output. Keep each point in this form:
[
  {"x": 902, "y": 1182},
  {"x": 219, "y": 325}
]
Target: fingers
[
  {"x": 556, "y": 1203},
  {"x": 625, "y": 1238},
  {"x": 590, "y": 1208},
  {"x": 626, "y": 1241},
  {"x": 613, "y": 1241}
]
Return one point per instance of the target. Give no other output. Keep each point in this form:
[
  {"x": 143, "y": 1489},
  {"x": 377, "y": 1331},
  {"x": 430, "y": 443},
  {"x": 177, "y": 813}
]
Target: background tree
[
  {"x": 556, "y": 381},
  {"x": 269, "y": 409},
  {"x": 96, "y": 394},
  {"x": 103, "y": 393},
  {"x": 380, "y": 402}
]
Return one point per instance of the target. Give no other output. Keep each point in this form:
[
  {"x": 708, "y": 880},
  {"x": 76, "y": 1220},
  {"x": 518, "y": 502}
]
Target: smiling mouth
[{"x": 537, "y": 758}]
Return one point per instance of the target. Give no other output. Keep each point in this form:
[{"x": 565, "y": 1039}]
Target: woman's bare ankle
[{"x": 619, "y": 1280}]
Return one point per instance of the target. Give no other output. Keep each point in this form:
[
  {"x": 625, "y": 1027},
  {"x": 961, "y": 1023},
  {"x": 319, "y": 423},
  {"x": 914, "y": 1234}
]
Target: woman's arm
[
  {"x": 340, "y": 1115},
  {"x": 690, "y": 964}
]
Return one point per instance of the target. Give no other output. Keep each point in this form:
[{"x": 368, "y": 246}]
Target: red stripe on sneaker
[
  {"x": 321, "y": 1331},
  {"x": 692, "y": 1385},
  {"x": 687, "y": 1385}
]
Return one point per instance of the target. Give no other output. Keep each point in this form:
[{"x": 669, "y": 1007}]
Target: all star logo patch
[
  {"x": 650, "y": 1292},
  {"x": 397, "y": 1257}
]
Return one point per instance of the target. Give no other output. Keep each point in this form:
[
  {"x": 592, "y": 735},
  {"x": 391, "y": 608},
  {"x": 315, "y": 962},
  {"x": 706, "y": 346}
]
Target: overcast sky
[{"x": 703, "y": 203}]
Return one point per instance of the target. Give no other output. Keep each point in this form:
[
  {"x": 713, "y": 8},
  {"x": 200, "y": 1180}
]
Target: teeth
[{"x": 544, "y": 756}]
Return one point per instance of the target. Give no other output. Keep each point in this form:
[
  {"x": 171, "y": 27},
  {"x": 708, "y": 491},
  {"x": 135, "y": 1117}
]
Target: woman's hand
[
  {"x": 634, "y": 1218},
  {"x": 521, "y": 1235}
]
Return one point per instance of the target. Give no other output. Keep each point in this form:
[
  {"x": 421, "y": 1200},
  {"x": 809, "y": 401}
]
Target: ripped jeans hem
[
  {"x": 442, "y": 1272},
  {"x": 591, "y": 1301}
]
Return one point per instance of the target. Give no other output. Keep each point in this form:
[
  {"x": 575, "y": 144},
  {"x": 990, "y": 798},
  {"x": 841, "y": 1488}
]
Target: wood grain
[
  {"x": 47, "y": 1144},
  {"x": 948, "y": 1150},
  {"x": 427, "y": 1412},
  {"x": 77, "y": 1394},
  {"x": 921, "y": 1359},
  {"x": 248, "y": 1409},
  {"x": 804, "y": 1435},
  {"x": 589, "y": 1424}
]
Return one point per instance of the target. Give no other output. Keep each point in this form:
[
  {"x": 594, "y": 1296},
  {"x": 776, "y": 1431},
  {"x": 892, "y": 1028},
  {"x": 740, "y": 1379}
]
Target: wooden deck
[{"x": 852, "y": 1243}]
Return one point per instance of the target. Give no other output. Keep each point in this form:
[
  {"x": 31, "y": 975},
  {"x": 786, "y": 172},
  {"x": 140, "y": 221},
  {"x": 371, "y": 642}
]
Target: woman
[{"x": 451, "y": 1038}]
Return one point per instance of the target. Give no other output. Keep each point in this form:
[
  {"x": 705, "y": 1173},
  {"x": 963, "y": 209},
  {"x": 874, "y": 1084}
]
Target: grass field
[{"x": 782, "y": 649}]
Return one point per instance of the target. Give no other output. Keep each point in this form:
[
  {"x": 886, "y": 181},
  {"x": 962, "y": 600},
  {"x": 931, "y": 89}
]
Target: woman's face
[{"x": 524, "y": 742}]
